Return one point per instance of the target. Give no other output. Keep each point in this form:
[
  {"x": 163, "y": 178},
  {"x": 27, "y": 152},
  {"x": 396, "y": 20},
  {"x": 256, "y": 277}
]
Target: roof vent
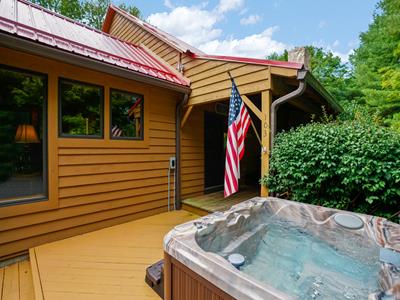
[{"x": 300, "y": 55}]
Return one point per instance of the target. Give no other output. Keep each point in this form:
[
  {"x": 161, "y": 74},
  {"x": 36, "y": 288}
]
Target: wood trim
[
  {"x": 37, "y": 284},
  {"x": 252, "y": 107},
  {"x": 285, "y": 72},
  {"x": 266, "y": 102},
  {"x": 186, "y": 116},
  {"x": 195, "y": 210}
]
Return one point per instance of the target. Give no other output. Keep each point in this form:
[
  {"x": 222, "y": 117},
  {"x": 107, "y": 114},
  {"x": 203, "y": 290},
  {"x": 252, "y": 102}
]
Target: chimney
[{"x": 300, "y": 55}]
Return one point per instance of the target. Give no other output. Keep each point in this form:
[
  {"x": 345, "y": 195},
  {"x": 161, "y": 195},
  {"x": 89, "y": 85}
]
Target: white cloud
[
  {"x": 191, "y": 24},
  {"x": 250, "y": 20},
  {"x": 228, "y": 5},
  {"x": 169, "y": 4},
  {"x": 343, "y": 56},
  {"x": 256, "y": 45},
  {"x": 198, "y": 26},
  {"x": 322, "y": 24},
  {"x": 335, "y": 44}
]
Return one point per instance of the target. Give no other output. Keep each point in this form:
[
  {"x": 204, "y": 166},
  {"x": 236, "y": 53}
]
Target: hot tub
[{"x": 291, "y": 251}]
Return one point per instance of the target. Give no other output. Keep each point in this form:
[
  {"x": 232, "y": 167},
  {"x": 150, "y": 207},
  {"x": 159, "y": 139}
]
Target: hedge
[{"x": 349, "y": 165}]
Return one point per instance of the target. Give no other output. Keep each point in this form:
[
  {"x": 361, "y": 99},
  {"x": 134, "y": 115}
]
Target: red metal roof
[
  {"x": 256, "y": 61},
  {"x": 30, "y": 21},
  {"x": 162, "y": 35}
]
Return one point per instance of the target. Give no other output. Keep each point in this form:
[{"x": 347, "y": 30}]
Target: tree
[
  {"x": 334, "y": 75},
  {"x": 376, "y": 63},
  {"x": 89, "y": 12}
]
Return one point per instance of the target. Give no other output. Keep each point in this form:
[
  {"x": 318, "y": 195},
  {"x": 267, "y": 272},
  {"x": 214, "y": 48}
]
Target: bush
[{"x": 350, "y": 165}]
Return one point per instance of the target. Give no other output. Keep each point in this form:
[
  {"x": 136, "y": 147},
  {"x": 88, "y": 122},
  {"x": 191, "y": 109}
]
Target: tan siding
[
  {"x": 99, "y": 183},
  {"x": 130, "y": 32},
  {"x": 193, "y": 154}
]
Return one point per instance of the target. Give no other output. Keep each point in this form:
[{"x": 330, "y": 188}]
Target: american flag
[{"x": 238, "y": 124}]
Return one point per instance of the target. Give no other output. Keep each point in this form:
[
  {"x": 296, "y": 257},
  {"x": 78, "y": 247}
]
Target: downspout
[
  {"x": 301, "y": 76},
  {"x": 178, "y": 115}
]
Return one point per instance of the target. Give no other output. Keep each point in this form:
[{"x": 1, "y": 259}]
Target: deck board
[
  {"x": 16, "y": 281},
  {"x": 216, "y": 202},
  {"x": 106, "y": 264}
]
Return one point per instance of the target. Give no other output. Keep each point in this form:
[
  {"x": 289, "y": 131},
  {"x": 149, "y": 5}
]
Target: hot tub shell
[{"x": 193, "y": 273}]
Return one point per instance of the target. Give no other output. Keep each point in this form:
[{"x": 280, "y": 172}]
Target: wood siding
[
  {"x": 128, "y": 31},
  {"x": 192, "y": 155},
  {"x": 93, "y": 183},
  {"x": 210, "y": 81},
  {"x": 185, "y": 284}
]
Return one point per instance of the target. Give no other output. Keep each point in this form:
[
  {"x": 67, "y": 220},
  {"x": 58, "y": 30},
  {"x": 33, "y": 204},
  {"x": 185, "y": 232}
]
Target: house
[
  {"x": 91, "y": 121},
  {"x": 203, "y": 124}
]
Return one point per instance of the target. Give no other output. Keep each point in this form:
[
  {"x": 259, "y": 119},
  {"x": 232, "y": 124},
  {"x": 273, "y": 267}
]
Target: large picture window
[
  {"x": 126, "y": 115},
  {"x": 23, "y": 139},
  {"x": 81, "y": 109}
]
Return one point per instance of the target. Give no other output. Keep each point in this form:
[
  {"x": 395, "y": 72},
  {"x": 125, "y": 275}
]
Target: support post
[
  {"x": 266, "y": 101},
  {"x": 186, "y": 116}
]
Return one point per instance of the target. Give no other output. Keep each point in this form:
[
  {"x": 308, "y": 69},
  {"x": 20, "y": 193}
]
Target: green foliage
[
  {"x": 376, "y": 63},
  {"x": 90, "y": 12},
  {"x": 352, "y": 165}
]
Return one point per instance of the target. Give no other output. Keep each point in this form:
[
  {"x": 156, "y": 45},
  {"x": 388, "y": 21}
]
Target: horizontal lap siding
[
  {"x": 193, "y": 155},
  {"x": 210, "y": 80},
  {"x": 104, "y": 185}
]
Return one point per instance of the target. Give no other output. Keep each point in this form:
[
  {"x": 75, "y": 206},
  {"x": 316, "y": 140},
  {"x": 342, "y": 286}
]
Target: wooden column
[{"x": 266, "y": 101}]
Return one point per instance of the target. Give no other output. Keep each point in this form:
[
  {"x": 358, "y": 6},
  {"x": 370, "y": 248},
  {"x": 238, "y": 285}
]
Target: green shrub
[{"x": 350, "y": 165}]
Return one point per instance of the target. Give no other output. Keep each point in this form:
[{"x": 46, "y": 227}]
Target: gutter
[
  {"x": 20, "y": 44},
  {"x": 305, "y": 77},
  {"x": 178, "y": 116},
  {"x": 301, "y": 76}
]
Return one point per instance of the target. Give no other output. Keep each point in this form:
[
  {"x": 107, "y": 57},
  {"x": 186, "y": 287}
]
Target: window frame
[
  {"x": 45, "y": 173},
  {"x": 101, "y": 111},
  {"x": 126, "y": 138}
]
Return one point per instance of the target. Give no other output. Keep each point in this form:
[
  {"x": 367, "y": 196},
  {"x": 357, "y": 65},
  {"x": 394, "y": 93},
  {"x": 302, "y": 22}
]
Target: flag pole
[{"x": 251, "y": 120}]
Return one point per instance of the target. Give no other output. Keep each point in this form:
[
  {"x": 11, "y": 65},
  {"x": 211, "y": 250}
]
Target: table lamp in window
[{"x": 26, "y": 134}]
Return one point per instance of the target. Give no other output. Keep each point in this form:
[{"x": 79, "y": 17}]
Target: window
[
  {"x": 81, "y": 109},
  {"x": 23, "y": 141},
  {"x": 126, "y": 115}
]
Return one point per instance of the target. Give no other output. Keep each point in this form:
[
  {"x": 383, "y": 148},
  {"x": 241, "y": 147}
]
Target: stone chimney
[{"x": 300, "y": 55}]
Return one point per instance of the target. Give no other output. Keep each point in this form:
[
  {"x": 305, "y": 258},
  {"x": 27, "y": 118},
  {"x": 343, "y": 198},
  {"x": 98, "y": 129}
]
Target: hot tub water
[{"x": 302, "y": 265}]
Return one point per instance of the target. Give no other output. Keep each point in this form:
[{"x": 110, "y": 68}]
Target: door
[{"x": 215, "y": 128}]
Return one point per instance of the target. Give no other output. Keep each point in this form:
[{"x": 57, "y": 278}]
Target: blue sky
[{"x": 257, "y": 28}]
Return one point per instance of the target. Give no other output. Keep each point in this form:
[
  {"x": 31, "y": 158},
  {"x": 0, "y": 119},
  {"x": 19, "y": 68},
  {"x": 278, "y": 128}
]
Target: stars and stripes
[
  {"x": 116, "y": 131},
  {"x": 238, "y": 124}
]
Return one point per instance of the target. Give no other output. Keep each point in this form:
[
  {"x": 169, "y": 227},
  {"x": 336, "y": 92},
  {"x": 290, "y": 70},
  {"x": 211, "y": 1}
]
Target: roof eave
[
  {"x": 108, "y": 19},
  {"x": 319, "y": 88},
  {"x": 21, "y": 44}
]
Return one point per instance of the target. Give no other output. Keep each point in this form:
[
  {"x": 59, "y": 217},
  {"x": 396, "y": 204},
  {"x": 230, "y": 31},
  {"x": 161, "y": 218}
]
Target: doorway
[{"x": 215, "y": 129}]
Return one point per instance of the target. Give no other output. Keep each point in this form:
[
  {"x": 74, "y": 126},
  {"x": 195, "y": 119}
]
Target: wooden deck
[
  {"x": 212, "y": 202},
  {"x": 106, "y": 264},
  {"x": 16, "y": 281}
]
